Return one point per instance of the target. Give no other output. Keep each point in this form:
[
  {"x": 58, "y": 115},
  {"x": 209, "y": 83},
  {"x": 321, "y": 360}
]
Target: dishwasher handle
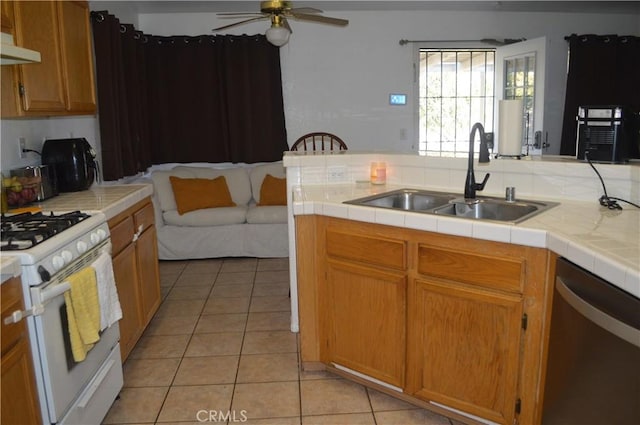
[{"x": 605, "y": 321}]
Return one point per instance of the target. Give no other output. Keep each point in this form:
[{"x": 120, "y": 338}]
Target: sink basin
[
  {"x": 406, "y": 199},
  {"x": 451, "y": 204},
  {"x": 493, "y": 209}
]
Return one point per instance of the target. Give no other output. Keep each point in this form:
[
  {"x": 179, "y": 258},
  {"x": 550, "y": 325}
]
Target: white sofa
[{"x": 245, "y": 230}]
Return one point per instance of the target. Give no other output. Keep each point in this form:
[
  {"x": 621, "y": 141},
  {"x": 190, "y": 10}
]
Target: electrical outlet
[
  {"x": 22, "y": 145},
  {"x": 336, "y": 173}
]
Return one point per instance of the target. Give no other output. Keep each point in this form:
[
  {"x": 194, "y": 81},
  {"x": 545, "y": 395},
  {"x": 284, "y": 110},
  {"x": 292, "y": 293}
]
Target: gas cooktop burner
[{"x": 23, "y": 231}]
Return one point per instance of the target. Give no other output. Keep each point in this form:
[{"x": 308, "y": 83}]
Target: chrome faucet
[{"x": 470, "y": 185}]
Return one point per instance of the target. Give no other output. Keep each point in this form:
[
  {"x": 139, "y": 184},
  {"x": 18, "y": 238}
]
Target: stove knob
[
  {"x": 67, "y": 256},
  {"x": 101, "y": 234},
  {"x": 81, "y": 246},
  {"x": 58, "y": 262},
  {"x": 94, "y": 238}
]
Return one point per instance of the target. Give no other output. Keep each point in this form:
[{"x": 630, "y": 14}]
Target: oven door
[{"x": 63, "y": 379}]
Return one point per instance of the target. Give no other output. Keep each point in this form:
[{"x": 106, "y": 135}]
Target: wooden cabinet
[
  {"x": 365, "y": 303},
  {"x": 135, "y": 266},
  {"x": 62, "y": 83},
  {"x": 455, "y": 323},
  {"x": 19, "y": 394}
]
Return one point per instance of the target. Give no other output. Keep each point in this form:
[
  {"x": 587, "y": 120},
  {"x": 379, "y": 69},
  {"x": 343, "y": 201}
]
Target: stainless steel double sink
[{"x": 451, "y": 204}]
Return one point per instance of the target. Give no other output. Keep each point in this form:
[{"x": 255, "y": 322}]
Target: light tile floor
[{"x": 219, "y": 350}]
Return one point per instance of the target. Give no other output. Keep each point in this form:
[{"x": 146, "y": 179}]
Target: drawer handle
[
  {"x": 138, "y": 233},
  {"x": 96, "y": 384}
]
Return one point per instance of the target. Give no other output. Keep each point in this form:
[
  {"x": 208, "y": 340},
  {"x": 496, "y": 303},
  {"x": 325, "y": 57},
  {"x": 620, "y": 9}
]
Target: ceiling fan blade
[
  {"x": 305, "y": 10},
  {"x": 225, "y": 14},
  {"x": 320, "y": 19},
  {"x": 239, "y": 23}
]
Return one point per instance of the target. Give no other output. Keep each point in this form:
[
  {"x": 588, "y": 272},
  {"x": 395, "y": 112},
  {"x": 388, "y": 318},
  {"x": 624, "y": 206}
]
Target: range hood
[{"x": 10, "y": 54}]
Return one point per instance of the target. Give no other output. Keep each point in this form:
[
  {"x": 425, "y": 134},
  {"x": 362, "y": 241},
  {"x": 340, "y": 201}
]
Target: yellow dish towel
[{"x": 83, "y": 312}]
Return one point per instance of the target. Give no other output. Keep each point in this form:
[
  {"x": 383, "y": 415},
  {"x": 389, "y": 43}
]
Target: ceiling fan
[{"x": 278, "y": 12}]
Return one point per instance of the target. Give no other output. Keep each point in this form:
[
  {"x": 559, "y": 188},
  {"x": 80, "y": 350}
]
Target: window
[{"x": 456, "y": 90}]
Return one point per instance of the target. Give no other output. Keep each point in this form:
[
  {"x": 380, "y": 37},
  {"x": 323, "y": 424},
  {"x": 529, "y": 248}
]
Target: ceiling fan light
[{"x": 277, "y": 35}]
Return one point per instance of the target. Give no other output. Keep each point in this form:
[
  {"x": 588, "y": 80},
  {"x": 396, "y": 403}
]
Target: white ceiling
[{"x": 148, "y": 6}]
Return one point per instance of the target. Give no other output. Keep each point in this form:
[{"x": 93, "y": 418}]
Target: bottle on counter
[{"x": 5, "y": 206}]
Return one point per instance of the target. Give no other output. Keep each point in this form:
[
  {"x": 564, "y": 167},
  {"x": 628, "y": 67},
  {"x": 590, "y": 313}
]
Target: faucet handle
[{"x": 480, "y": 186}]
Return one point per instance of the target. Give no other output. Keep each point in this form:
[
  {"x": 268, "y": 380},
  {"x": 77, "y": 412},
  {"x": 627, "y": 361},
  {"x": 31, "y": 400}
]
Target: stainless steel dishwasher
[{"x": 593, "y": 369}]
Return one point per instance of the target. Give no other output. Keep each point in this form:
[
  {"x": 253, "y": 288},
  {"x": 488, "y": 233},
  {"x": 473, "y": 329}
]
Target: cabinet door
[
  {"x": 18, "y": 385},
  {"x": 18, "y": 392},
  {"x": 37, "y": 29},
  {"x": 464, "y": 348},
  {"x": 125, "y": 272},
  {"x": 147, "y": 255},
  {"x": 77, "y": 55},
  {"x": 365, "y": 310}
]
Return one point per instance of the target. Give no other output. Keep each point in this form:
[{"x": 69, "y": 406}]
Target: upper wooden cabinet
[{"x": 62, "y": 83}]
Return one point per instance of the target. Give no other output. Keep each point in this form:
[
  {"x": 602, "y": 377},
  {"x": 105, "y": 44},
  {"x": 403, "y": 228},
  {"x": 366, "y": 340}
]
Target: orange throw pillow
[
  {"x": 273, "y": 191},
  {"x": 197, "y": 194}
]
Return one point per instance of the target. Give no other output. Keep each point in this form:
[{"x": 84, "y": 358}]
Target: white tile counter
[
  {"x": 602, "y": 241},
  {"x": 110, "y": 199}
]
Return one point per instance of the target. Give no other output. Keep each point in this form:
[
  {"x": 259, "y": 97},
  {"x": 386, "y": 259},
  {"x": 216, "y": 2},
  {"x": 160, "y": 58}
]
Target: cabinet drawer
[
  {"x": 11, "y": 301},
  {"x": 144, "y": 216},
  {"x": 476, "y": 269},
  {"x": 121, "y": 235},
  {"x": 371, "y": 250}
]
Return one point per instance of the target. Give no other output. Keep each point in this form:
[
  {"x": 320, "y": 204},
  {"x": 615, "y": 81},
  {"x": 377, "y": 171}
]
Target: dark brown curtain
[
  {"x": 603, "y": 70},
  {"x": 185, "y": 99}
]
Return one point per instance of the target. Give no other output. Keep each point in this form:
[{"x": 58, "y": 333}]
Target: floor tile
[
  {"x": 270, "y": 304},
  {"x": 172, "y": 267},
  {"x": 381, "y": 402},
  {"x": 212, "y": 323},
  {"x": 267, "y": 400},
  {"x": 268, "y": 368},
  {"x": 207, "y": 370},
  {"x": 410, "y": 417},
  {"x": 332, "y": 396},
  {"x": 171, "y": 325},
  {"x": 272, "y": 276},
  {"x": 239, "y": 265},
  {"x": 294, "y": 420},
  {"x": 211, "y": 266},
  {"x": 273, "y": 264},
  {"x": 136, "y": 405},
  {"x": 227, "y": 305},
  {"x": 184, "y": 403},
  {"x": 149, "y": 372},
  {"x": 271, "y": 289},
  {"x": 196, "y": 279},
  {"x": 344, "y": 419},
  {"x": 189, "y": 292},
  {"x": 310, "y": 375},
  {"x": 278, "y": 321},
  {"x": 214, "y": 344},
  {"x": 235, "y": 278},
  {"x": 231, "y": 290},
  {"x": 269, "y": 342},
  {"x": 172, "y": 308},
  {"x": 168, "y": 279},
  {"x": 160, "y": 347}
]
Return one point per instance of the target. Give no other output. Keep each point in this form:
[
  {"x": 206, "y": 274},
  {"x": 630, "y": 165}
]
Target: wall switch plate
[
  {"x": 22, "y": 145},
  {"x": 336, "y": 173}
]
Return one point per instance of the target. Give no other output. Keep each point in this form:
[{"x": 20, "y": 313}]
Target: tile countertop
[
  {"x": 605, "y": 242},
  {"x": 110, "y": 199}
]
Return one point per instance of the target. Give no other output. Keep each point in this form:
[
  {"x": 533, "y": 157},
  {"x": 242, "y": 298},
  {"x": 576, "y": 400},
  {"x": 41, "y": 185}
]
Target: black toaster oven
[{"x": 609, "y": 133}]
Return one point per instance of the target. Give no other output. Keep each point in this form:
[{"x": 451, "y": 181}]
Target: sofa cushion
[
  {"x": 197, "y": 194},
  {"x": 162, "y": 187},
  {"x": 258, "y": 173},
  {"x": 237, "y": 180},
  {"x": 207, "y": 217},
  {"x": 273, "y": 191},
  {"x": 267, "y": 214}
]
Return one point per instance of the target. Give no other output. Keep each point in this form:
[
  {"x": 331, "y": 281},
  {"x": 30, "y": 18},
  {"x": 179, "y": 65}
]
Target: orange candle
[{"x": 378, "y": 173}]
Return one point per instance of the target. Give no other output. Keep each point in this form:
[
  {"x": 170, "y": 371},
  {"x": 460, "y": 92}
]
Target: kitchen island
[{"x": 448, "y": 313}]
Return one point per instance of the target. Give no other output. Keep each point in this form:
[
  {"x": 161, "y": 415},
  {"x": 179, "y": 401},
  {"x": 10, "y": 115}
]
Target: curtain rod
[{"x": 491, "y": 41}]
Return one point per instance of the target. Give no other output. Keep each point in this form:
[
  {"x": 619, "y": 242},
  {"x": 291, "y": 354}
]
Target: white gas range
[{"x": 51, "y": 247}]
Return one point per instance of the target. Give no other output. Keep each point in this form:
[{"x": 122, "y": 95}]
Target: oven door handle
[
  {"x": 595, "y": 315},
  {"x": 44, "y": 295}
]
